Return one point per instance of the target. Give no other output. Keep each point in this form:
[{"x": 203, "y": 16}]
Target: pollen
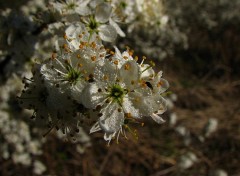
[
  {"x": 152, "y": 64},
  {"x": 127, "y": 67},
  {"x": 105, "y": 77},
  {"x": 93, "y": 45},
  {"x": 136, "y": 58},
  {"x": 54, "y": 56},
  {"x": 81, "y": 46},
  {"x": 112, "y": 52},
  {"x": 116, "y": 62},
  {"x": 93, "y": 58},
  {"x": 137, "y": 99},
  {"x": 130, "y": 52},
  {"x": 65, "y": 46},
  {"x": 78, "y": 56},
  {"x": 159, "y": 84},
  {"x": 65, "y": 36},
  {"x": 128, "y": 115},
  {"x": 83, "y": 43},
  {"x": 143, "y": 83},
  {"x": 80, "y": 65},
  {"x": 125, "y": 57},
  {"x": 80, "y": 35},
  {"x": 87, "y": 78}
]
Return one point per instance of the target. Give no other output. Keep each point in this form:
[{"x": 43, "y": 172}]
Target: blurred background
[{"x": 195, "y": 43}]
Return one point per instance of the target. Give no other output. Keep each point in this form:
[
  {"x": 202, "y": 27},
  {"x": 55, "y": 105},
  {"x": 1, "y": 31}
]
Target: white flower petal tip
[
  {"x": 107, "y": 33},
  {"x": 103, "y": 12},
  {"x": 157, "y": 118},
  {"x": 95, "y": 128},
  {"x": 117, "y": 28}
]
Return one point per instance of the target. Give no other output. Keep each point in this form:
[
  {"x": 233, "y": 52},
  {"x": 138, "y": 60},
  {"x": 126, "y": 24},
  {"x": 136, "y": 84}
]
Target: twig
[
  {"x": 165, "y": 171},
  {"x": 105, "y": 160}
]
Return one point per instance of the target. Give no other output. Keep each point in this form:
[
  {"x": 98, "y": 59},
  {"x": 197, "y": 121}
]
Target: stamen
[
  {"x": 136, "y": 58},
  {"x": 116, "y": 62},
  {"x": 93, "y": 58},
  {"x": 65, "y": 36},
  {"x": 127, "y": 67},
  {"x": 54, "y": 56}
]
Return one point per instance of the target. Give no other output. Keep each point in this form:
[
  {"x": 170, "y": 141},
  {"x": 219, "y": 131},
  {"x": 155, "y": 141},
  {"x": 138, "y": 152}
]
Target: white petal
[
  {"x": 162, "y": 104},
  {"x": 72, "y": 32},
  {"x": 164, "y": 85},
  {"x": 57, "y": 101},
  {"x": 130, "y": 108},
  {"x": 160, "y": 84},
  {"x": 106, "y": 72},
  {"x": 118, "y": 29},
  {"x": 94, "y": 3},
  {"x": 157, "y": 118},
  {"x": 120, "y": 57},
  {"x": 107, "y": 33},
  {"x": 118, "y": 54},
  {"x": 91, "y": 97},
  {"x": 103, "y": 12},
  {"x": 129, "y": 73},
  {"x": 83, "y": 9},
  {"x": 142, "y": 103},
  {"x": 76, "y": 91},
  {"x": 109, "y": 136},
  {"x": 95, "y": 128},
  {"x": 112, "y": 119},
  {"x": 147, "y": 105},
  {"x": 146, "y": 71}
]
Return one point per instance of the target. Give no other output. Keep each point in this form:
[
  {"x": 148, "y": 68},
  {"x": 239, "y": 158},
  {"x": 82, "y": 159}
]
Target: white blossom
[{"x": 121, "y": 93}]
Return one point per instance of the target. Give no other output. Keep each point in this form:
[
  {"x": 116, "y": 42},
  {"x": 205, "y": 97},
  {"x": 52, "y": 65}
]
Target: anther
[
  {"x": 116, "y": 62},
  {"x": 112, "y": 52},
  {"x": 65, "y": 36},
  {"x": 127, "y": 67},
  {"x": 93, "y": 58},
  {"x": 136, "y": 58},
  {"x": 54, "y": 56}
]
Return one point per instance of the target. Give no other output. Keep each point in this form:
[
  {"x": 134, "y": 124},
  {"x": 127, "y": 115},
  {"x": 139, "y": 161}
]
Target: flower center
[
  {"x": 43, "y": 95},
  {"x": 73, "y": 75},
  {"x": 117, "y": 93},
  {"x": 93, "y": 24},
  {"x": 71, "y": 6},
  {"x": 123, "y": 4}
]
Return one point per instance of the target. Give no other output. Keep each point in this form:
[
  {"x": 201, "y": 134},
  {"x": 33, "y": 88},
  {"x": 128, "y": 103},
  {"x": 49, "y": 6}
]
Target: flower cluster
[
  {"x": 83, "y": 80},
  {"x": 97, "y": 16}
]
